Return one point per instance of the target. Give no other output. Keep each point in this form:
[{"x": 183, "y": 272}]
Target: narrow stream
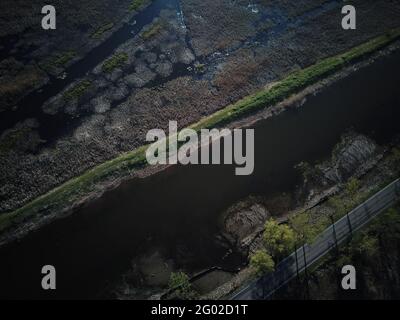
[{"x": 176, "y": 211}]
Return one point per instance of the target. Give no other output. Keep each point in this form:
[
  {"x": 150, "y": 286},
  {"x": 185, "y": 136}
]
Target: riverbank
[
  {"x": 357, "y": 169},
  {"x": 110, "y": 174}
]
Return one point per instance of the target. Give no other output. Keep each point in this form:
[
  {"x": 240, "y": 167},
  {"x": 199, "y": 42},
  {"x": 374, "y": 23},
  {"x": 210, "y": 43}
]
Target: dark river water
[{"x": 177, "y": 210}]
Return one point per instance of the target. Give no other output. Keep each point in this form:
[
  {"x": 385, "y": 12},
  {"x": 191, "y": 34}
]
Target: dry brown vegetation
[{"x": 216, "y": 25}]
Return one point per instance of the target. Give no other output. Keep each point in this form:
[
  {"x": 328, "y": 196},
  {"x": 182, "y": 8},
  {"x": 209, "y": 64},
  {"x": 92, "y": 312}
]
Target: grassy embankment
[{"x": 74, "y": 189}]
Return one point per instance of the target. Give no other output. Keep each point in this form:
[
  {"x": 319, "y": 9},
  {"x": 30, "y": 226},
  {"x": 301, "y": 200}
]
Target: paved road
[{"x": 305, "y": 256}]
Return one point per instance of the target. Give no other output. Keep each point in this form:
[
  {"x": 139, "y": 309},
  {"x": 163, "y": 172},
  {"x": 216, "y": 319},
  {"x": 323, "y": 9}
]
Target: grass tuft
[
  {"x": 114, "y": 62},
  {"x": 77, "y": 91}
]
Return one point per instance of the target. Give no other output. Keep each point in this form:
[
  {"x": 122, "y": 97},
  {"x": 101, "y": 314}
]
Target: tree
[
  {"x": 180, "y": 285},
  {"x": 262, "y": 262},
  {"x": 278, "y": 239},
  {"x": 301, "y": 224},
  {"x": 307, "y": 227}
]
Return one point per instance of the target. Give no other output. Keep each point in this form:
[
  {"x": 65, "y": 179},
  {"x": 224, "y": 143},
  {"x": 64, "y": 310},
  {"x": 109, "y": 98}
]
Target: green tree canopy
[
  {"x": 262, "y": 262},
  {"x": 278, "y": 239},
  {"x": 307, "y": 227}
]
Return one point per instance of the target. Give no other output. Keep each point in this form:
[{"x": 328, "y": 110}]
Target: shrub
[
  {"x": 262, "y": 262},
  {"x": 180, "y": 285},
  {"x": 278, "y": 239},
  {"x": 308, "y": 226},
  {"x": 352, "y": 186},
  {"x": 78, "y": 90},
  {"x": 115, "y": 61}
]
